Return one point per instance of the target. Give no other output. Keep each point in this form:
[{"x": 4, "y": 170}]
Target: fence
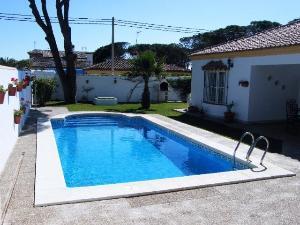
[{"x": 125, "y": 90}]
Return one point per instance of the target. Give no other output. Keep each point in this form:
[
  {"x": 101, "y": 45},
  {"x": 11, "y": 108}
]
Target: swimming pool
[
  {"x": 110, "y": 149},
  {"x": 86, "y": 156}
]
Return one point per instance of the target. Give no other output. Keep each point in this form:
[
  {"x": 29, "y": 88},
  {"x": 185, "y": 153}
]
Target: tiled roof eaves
[{"x": 283, "y": 36}]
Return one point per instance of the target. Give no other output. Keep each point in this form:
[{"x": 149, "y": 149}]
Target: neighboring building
[
  {"x": 43, "y": 59},
  {"x": 258, "y": 73},
  {"x": 124, "y": 67}
]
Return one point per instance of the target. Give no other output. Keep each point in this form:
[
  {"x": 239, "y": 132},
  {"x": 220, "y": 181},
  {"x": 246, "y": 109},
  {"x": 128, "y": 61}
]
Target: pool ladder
[{"x": 251, "y": 148}]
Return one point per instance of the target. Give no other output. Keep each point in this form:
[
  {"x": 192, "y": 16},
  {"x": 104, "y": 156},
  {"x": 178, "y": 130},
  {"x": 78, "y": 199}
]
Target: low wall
[
  {"x": 9, "y": 131},
  {"x": 125, "y": 90}
]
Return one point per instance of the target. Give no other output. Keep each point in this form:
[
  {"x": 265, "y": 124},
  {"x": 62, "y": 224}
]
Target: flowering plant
[
  {"x": 13, "y": 82},
  {"x": 26, "y": 80}
]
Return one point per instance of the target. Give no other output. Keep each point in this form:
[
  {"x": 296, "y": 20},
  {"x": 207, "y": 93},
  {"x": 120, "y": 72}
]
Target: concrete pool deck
[{"x": 275, "y": 201}]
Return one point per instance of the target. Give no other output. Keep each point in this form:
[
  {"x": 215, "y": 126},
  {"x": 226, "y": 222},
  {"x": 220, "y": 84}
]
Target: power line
[{"x": 90, "y": 21}]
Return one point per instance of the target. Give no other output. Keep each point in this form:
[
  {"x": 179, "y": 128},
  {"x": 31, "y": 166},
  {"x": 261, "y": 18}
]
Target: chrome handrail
[
  {"x": 241, "y": 139},
  {"x": 254, "y": 145}
]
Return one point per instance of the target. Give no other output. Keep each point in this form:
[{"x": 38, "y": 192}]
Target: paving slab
[{"x": 274, "y": 201}]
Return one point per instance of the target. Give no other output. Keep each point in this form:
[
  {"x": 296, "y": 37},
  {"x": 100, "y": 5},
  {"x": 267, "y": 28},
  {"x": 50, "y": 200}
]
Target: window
[{"x": 215, "y": 87}]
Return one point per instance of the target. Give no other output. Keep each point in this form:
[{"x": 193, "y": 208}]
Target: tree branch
[
  {"x": 46, "y": 16},
  {"x": 37, "y": 15}
]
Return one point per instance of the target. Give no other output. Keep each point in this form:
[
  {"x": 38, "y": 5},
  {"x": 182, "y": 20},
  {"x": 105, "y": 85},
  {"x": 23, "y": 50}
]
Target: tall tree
[
  {"x": 68, "y": 76},
  {"x": 228, "y": 33},
  {"x": 146, "y": 65},
  {"x": 172, "y": 53},
  {"x": 103, "y": 53},
  {"x": 20, "y": 64}
]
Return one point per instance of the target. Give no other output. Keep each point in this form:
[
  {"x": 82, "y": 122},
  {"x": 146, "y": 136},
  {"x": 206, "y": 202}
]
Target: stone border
[{"x": 50, "y": 187}]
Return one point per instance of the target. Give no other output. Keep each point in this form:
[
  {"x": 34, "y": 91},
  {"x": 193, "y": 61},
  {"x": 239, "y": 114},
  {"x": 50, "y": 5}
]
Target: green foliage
[
  {"x": 230, "y": 106},
  {"x": 2, "y": 89},
  {"x": 171, "y": 53},
  {"x": 18, "y": 112},
  {"x": 103, "y": 53},
  {"x": 146, "y": 65},
  {"x": 183, "y": 85},
  {"x": 44, "y": 88},
  {"x": 20, "y": 64},
  {"x": 228, "y": 33}
]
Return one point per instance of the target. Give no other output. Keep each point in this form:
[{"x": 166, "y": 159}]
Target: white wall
[
  {"x": 105, "y": 86},
  {"x": 268, "y": 100},
  {"x": 8, "y": 130},
  {"x": 236, "y": 93},
  {"x": 242, "y": 70}
]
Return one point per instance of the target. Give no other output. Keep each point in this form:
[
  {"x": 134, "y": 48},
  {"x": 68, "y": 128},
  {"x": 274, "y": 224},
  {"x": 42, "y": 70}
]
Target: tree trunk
[
  {"x": 68, "y": 76},
  {"x": 146, "y": 93}
]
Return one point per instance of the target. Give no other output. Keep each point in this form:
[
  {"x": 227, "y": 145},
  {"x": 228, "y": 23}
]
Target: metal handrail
[
  {"x": 241, "y": 139},
  {"x": 254, "y": 145}
]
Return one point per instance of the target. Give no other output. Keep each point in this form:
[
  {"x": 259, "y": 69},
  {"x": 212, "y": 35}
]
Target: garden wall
[
  {"x": 9, "y": 131},
  {"x": 125, "y": 90}
]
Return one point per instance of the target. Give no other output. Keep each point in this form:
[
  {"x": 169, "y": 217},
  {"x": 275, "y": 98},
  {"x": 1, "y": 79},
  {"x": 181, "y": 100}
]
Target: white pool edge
[{"x": 50, "y": 187}]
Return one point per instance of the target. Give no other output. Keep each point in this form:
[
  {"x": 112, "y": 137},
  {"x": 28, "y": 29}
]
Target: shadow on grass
[
  {"x": 56, "y": 103},
  {"x": 138, "y": 110},
  {"x": 228, "y": 131}
]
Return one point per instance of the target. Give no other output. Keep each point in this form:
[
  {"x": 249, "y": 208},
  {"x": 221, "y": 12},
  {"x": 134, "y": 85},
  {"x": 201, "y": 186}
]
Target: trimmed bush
[
  {"x": 44, "y": 88},
  {"x": 183, "y": 85}
]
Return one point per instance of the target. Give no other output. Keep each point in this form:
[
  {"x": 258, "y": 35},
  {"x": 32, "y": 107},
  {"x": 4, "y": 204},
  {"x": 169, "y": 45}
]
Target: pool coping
[{"x": 50, "y": 187}]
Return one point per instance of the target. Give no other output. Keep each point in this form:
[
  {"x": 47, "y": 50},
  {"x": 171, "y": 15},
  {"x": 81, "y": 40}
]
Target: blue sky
[{"x": 16, "y": 38}]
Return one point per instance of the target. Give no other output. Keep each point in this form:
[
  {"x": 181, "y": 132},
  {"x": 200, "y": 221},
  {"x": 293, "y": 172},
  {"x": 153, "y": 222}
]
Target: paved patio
[{"x": 275, "y": 201}]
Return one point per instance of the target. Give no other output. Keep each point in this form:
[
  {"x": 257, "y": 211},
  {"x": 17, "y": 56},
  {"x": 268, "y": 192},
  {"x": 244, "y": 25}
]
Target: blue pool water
[{"x": 110, "y": 149}]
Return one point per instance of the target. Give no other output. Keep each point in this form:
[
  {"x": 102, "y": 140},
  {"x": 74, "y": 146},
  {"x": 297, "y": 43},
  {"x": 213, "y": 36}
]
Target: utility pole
[{"x": 113, "y": 47}]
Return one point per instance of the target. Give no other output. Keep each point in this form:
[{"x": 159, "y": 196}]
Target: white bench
[{"x": 105, "y": 101}]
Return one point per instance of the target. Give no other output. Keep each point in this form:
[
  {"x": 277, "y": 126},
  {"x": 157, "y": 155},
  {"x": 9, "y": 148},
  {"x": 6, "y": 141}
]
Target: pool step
[{"x": 90, "y": 121}]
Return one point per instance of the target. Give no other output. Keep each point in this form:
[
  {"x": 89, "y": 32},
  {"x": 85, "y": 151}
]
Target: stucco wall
[
  {"x": 271, "y": 87},
  {"x": 239, "y": 95},
  {"x": 111, "y": 86},
  {"x": 8, "y": 130},
  {"x": 242, "y": 70}
]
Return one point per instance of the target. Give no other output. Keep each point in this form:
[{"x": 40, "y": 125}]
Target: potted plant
[
  {"x": 229, "y": 115},
  {"x": 12, "y": 87},
  {"x": 17, "y": 116},
  {"x": 2, "y": 94},
  {"x": 19, "y": 86},
  {"x": 23, "y": 108},
  {"x": 26, "y": 81},
  {"x": 193, "y": 109}
]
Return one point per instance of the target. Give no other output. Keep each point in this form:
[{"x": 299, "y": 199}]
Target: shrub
[
  {"x": 183, "y": 85},
  {"x": 44, "y": 88}
]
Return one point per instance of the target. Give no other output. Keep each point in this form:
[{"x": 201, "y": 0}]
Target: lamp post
[
  {"x": 113, "y": 47},
  {"x": 137, "y": 35}
]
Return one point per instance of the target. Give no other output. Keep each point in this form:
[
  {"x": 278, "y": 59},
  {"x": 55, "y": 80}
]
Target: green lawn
[{"x": 165, "y": 109}]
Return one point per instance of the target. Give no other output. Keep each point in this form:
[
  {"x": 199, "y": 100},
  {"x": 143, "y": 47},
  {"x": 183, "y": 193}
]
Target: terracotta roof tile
[
  {"x": 125, "y": 65},
  {"x": 120, "y": 65},
  {"x": 44, "y": 59},
  {"x": 283, "y": 36}
]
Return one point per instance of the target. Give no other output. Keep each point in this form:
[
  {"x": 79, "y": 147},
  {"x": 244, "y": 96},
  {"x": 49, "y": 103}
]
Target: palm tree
[{"x": 146, "y": 65}]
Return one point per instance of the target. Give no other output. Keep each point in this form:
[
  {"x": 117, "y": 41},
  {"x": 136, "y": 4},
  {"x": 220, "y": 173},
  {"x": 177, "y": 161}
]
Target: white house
[{"x": 258, "y": 73}]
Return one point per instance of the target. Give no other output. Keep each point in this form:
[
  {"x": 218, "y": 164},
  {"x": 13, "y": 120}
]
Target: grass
[{"x": 165, "y": 109}]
